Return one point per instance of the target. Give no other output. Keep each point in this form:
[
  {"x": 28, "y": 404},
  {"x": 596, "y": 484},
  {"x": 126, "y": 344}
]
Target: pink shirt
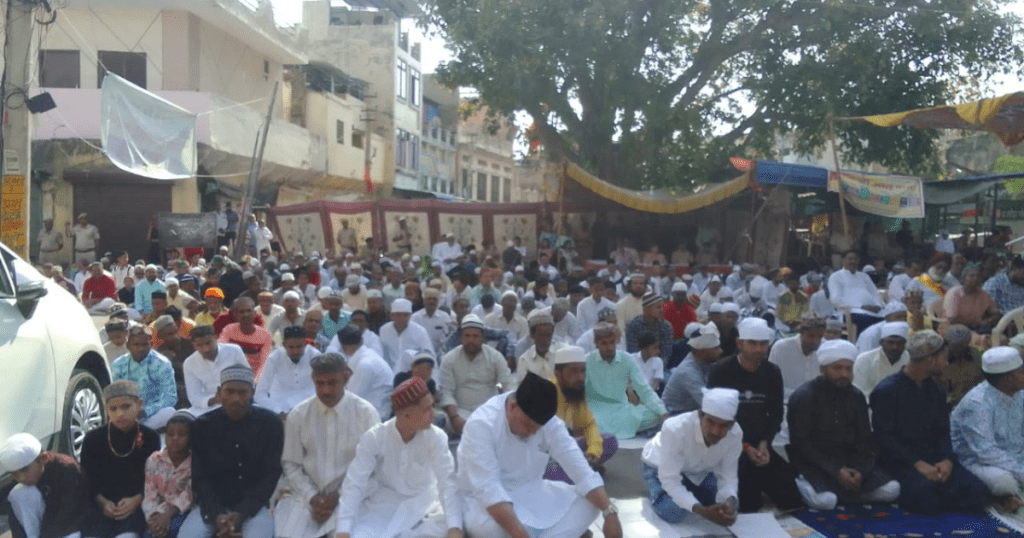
[
  {"x": 257, "y": 346},
  {"x": 967, "y": 309},
  {"x": 167, "y": 485}
]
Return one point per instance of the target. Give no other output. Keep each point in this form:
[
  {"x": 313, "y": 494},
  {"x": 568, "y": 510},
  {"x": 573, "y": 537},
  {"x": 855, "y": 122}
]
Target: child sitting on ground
[
  {"x": 51, "y": 494},
  {"x": 169, "y": 480},
  {"x": 651, "y": 365},
  {"x": 114, "y": 460}
]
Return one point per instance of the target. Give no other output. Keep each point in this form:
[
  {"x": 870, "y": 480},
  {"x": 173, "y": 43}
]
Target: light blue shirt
[
  {"x": 155, "y": 377},
  {"x": 144, "y": 294},
  {"x": 987, "y": 428}
]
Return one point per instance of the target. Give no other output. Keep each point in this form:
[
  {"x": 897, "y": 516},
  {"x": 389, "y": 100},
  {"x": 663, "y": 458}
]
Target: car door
[{"x": 26, "y": 364}]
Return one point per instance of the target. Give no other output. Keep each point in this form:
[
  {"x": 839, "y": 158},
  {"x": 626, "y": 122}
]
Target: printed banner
[
  {"x": 888, "y": 196},
  {"x": 14, "y": 215}
]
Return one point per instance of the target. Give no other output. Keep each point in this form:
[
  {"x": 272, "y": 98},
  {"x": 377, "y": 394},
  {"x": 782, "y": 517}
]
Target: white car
[{"x": 51, "y": 359}]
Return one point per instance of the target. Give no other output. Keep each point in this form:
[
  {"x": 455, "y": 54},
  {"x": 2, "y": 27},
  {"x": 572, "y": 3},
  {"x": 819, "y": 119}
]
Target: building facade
[
  {"x": 485, "y": 157},
  {"x": 438, "y": 154}
]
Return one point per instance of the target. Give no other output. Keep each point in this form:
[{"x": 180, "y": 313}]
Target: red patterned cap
[{"x": 408, "y": 393}]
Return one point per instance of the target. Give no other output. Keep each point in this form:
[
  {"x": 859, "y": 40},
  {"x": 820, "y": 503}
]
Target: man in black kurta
[
  {"x": 830, "y": 436},
  {"x": 759, "y": 383},
  {"x": 236, "y": 463},
  {"x": 911, "y": 423}
]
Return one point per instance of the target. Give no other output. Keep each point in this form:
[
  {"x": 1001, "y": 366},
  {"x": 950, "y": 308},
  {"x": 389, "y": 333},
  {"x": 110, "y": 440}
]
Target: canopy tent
[
  {"x": 1003, "y": 116},
  {"x": 662, "y": 201}
]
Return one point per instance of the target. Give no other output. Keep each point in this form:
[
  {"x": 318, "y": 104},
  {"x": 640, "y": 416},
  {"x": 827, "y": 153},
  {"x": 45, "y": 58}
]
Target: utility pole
[
  {"x": 254, "y": 177},
  {"x": 19, "y": 62}
]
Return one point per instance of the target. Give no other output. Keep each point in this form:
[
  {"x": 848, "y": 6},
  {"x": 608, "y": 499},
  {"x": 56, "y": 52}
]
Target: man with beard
[
  {"x": 872, "y": 367},
  {"x": 540, "y": 357},
  {"x": 1007, "y": 289},
  {"x": 651, "y": 321},
  {"x": 690, "y": 465},
  {"x": 438, "y": 323},
  {"x": 236, "y": 463},
  {"x": 725, "y": 316},
  {"x": 471, "y": 374},
  {"x": 831, "y": 444},
  {"x": 631, "y": 305},
  {"x": 254, "y": 340},
  {"x": 684, "y": 390},
  {"x": 144, "y": 290},
  {"x": 795, "y": 356},
  {"x": 936, "y": 281},
  {"x": 618, "y": 410},
  {"x": 570, "y": 378}
]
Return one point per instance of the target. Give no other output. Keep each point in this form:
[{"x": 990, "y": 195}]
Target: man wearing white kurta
[
  {"x": 285, "y": 380},
  {"x": 202, "y": 369},
  {"x": 797, "y": 356},
  {"x": 692, "y": 464},
  {"x": 320, "y": 441},
  {"x": 508, "y": 319},
  {"x": 438, "y": 323},
  {"x": 402, "y": 480},
  {"x": 399, "y": 335},
  {"x": 372, "y": 378},
  {"x": 872, "y": 367},
  {"x": 505, "y": 448},
  {"x": 446, "y": 252},
  {"x": 587, "y": 310}
]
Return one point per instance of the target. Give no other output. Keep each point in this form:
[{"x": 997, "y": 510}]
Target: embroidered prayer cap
[
  {"x": 182, "y": 415},
  {"x": 121, "y": 388},
  {"x": 679, "y": 287},
  {"x": 810, "y": 321},
  {"x": 924, "y": 344},
  {"x": 538, "y": 398},
  {"x": 408, "y": 393},
  {"x": 472, "y": 321},
  {"x": 539, "y": 317},
  {"x": 703, "y": 336},
  {"x": 958, "y": 335},
  {"x": 720, "y": 402},
  {"x": 895, "y": 328},
  {"x": 836, "y": 350},
  {"x": 20, "y": 450},
  {"x": 401, "y": 306},
  {"x": 606, "y": 313},
  {"x": 238, "y": 372},
  {"x": 422, "y": 356},
  {"x": 214, "y": 292},
  {"x": 651, "y": 299},
  {"x": 755, "y": 329},
  {"x": 834, "y": 325},
  {"x": 1000, "y": 360},
  {"x": 350, "y": 335},
  {"x": 118, "y": 309},
  {"x": 352, "y": 280},
  {"x": 570, "y": 355},
  {"x": 294, "y": 332},
  {"x": 694, "y": 300},
  {"x": 637, "y": 275}
]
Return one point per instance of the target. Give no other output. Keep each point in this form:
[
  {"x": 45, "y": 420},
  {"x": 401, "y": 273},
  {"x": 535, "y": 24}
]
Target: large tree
[{"x": 650, "y": 93}]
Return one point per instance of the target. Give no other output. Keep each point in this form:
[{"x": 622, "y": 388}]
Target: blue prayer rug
[{"x": 886, "y": 520}]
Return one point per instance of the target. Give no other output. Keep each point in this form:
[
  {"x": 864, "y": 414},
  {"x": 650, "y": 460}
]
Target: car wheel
[{"x": 83, "y": 411}]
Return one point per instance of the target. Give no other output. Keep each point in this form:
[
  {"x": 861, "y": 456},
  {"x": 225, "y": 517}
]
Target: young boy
[
  {"x": 169, "y": 479},
  {"x": 51, "y": 495},
  {"x": 114, "y": 460},
  {"x": 117, "y": 332},
  {"x": 651, "y": 365}
]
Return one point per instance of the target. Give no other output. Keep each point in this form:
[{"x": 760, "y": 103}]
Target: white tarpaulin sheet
[{"x": 145, "y": 134}]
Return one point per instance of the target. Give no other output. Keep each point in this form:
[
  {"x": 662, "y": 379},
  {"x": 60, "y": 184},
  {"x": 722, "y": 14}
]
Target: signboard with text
[
  {"x": 886, "y": 195},
  {"x": 14, "y": 215}
]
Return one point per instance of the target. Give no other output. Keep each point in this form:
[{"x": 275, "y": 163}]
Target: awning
[
  {"x": 664, "y": 201},
  {"x": 791, "y": 175},
  {"x": 1003, "y": 116}
]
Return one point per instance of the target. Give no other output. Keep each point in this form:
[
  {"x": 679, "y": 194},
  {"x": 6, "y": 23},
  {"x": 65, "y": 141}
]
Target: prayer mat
[{"x": 885, "y": 520}]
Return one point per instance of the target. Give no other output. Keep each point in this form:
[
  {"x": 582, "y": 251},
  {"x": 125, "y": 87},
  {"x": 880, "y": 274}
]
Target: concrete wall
[
  {"x": 124, "y": 30},
  {"x": 323, "y": 111}
]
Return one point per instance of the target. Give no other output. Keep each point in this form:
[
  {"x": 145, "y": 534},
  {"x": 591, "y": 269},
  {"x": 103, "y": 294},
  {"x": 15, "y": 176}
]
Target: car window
[{"x": 6, "y": 286}]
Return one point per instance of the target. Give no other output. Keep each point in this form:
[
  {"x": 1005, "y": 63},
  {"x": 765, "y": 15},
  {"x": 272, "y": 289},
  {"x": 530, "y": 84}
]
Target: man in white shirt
[
  {"x": 871, "y": 337},
  {"x": 372, "y": 379},
  {"x": 355, "y": 293},
  {"x": 586, "y": 311},
  {"x": 85, "y": 238},
  {"x": 285, "y": 379},
  {"x": 398, "y": 335},
  {"x": 944, "y": 244},
  {"x": 320, "y": 439},
  {"x": 692, "y": 464},
  {"x": 447, "y": 252},
  {"x": 567, "y": 328},
  {"x": 202, "y": 369},
  {"x": 796, "y": 356},
  {"x": 540, "y": 357},
  {"x": 508, "y": 319},
  {"x": 471, "y": 373},
  {"x": 853, "y": 289},
  {"x": 504, "y": 451},
  {"x": 403, "y": 475},
  {"x": 872, "y": 367},
  {"x": 438, "y": 323},
  {"x": 900, "y": 283}
]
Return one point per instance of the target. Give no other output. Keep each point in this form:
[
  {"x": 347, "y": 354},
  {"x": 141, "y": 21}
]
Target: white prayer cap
[
  {"x": 472, "y": 321},
  {"x": 287, "y": 277},
  {"x": 355, "y": 267},
  {"x": 324, "y": 292},
  {"x": 731, "y": 308},
  {"x": 509, "y": 293},
  {"x": 893, "y": 307},
  {"x": 1000, "y": 360},
  {"x": 868, "y": 268},
  {"x": 716, "y": 308},
  {"x": 895, "y": 328},
  {"x": 401, "y": 306},
  {"x": 836, "y": 350},
  {"x": 19, "y": 451},
  {"x": 374, "y": 294},
  {"x": 519, "y": 269},
  {"x": 284, "y": 267},
  {"x": 352, "y": 280},
  {"x": 153, "y": 267},
  {"x": 703, "y": 336},
  {"x": 715, "y": 278},
  {"x": 570, "y": 355},
  {"x": 171, "y": 281},
  {"x": 679, "y": 287},
  {"x": 720, "y": 402},
  {"x": 291, "y": 294},
  {"x": 755, "y": 329},
  {"x": 725, "y": 293}
]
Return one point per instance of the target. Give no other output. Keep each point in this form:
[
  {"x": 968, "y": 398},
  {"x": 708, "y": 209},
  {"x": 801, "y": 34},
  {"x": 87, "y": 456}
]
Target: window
[
  {"x": 59, "y": 69},
  {"x": 357, "y": 138},
  {"x": 481, "y": 186},
  {"x": 340, "y": 136},
  {"x": 506, "y": 194},
  {"x": 433, "y": 184},
  {"x": 400, "y": 147},
  {"x": 414, "y": 90},
  {"x": 465, "y": 183},
  {"x": 495, "y": 188},
  {"x": 130, "y": 66},
  {"x": 414, "y": 152},
  {"x": 402, "y": 80}
]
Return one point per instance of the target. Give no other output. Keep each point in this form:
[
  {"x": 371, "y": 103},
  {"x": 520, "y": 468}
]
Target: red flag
[{"x": 369, "y": 182}]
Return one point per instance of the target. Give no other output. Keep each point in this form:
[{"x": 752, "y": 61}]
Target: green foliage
[{"x": 652, "y": 93}]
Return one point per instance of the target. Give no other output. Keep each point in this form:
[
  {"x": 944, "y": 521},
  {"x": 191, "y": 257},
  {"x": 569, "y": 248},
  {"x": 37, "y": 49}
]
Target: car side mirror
[{"x": 29, "y": 294}]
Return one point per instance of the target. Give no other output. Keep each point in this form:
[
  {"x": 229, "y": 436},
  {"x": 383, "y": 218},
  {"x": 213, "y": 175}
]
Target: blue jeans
[{"x": 662, "y": 503}]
